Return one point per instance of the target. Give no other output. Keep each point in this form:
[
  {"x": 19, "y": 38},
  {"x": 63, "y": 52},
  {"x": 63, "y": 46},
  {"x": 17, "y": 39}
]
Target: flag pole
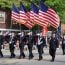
[
  {"x": 60, "y": 26},
  {"x": 11, "y": 20},
  {"x": 20, "y": 27}
]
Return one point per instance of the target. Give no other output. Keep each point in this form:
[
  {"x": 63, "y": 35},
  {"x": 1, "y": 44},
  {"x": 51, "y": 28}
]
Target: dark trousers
[
  {"x": 1, "y": 53},
  {"x": 40, "y": 50},
  {"x": 21, "y": 46},
  {"x": 63, "y": 49},
  {"x": 52, "y": 53},
  {"x": 30, "y": 50},
  {"x": 12, "y": 48}
]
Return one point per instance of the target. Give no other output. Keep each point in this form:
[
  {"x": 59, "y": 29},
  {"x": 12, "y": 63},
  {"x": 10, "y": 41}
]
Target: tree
[{"x": 59, "y": 7}]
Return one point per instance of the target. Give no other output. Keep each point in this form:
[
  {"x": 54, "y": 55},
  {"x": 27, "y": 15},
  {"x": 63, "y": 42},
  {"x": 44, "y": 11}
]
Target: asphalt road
[{"x": 59, "y": 60}]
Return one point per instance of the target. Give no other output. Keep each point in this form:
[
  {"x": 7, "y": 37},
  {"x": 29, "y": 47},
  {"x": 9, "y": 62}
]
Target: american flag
[
  {"x": 44, "y": 31},
  {"x": 24, "y": 17},
  {"x": 31, "y": 13},
  {"x": 29, "y": 20},
  {"x": 15, "y": 13},
  {"x": 35, "y": 16},
  {"x": 48, "y": 15}
]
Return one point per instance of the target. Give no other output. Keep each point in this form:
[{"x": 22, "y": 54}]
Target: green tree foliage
[{"x": 57, "y": 5}]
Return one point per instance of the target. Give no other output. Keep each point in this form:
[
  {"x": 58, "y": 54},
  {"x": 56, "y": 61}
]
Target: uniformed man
[
  {"x": 1, "y": 43},
  {"x": 21, "y": 45},
  {"x": 30, "y": 45},
  {"x": 63, "y": 44},
  {"x": 29, "y": 42},
  {"x": 6, "y": 37},
  {"x": 12, "y": 44},
  {"x": 41, "y": 42},
  {"x": 53, "y": 45}
]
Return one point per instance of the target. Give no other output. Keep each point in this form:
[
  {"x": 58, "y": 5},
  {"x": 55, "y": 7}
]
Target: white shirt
[{"x": 39, "y": 39}]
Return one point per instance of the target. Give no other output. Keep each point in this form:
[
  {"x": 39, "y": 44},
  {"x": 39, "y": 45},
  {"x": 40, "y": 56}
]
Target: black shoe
[
  {"x": 63, "y": 53},
  {"x": 1, "y": 56},
  {"x": 11, "y": 57},
  {"x": 31, "y": 57},
  {"x": 19, "y": 57},
  {"x": 52, "y": 60},
  {"x": 23, "y": 56},
  {"x": 39, "y": 59},
  {"x": 14, "y": 55}
]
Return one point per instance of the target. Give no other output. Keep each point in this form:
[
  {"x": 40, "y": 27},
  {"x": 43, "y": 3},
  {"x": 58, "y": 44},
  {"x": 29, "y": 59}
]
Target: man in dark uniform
[
  {"x": 6, "y": 38},
  {"x": 21, "y": 45},
  {"x": 12, "y": 44},
  {"x": 53, "y": 45},
  {"x": 29, "y": 42},
  {"x": 63, "y": 44},
  {"x": 1, "y": 43},
  {"x": 30, "y": 46},
  {"x": 41, "y": 42}
]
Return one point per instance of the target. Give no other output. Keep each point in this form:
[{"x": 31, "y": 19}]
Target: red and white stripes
[
  {"x": 15, "y": 16},
  {"x": 50, "y": 17}
]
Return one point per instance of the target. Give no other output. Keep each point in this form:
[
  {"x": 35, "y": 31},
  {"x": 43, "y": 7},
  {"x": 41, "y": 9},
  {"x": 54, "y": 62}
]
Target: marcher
[
  {"x": 29, "y": 42},
  {"x": 63, "y": 44},
  {"x": 1, "y": 43},
  {"x": 12, "y": 44},
  {"x": 53, "y": 45},
  {"x": 41, "y": 42},
  {"x": 21, "y": 45}
]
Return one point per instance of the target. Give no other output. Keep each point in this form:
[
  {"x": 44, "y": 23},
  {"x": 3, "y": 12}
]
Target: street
[{"x": 59, "y": 60}]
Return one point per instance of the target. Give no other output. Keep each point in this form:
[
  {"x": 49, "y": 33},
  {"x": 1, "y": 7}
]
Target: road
[{"x": 59, "y": 60}]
